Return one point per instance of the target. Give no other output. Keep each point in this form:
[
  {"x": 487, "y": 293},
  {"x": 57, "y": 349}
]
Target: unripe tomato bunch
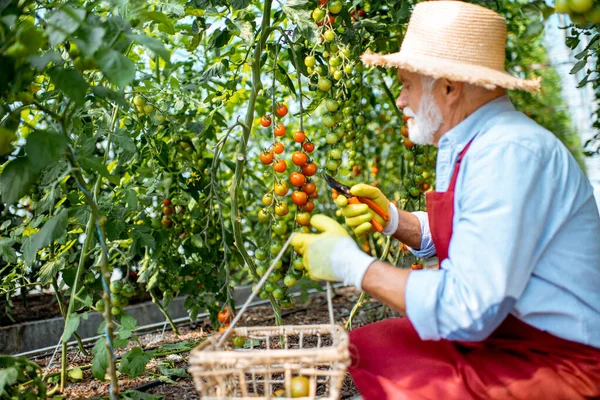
[
  {"x": 331, "y": 72},
  {"x": 119, "y": 297},
  {"x": 580, "y": 11},
  {"x": 144, "y": 108},
  {"x": 276, "y": 209},
  {"x": 420, "y": 163}
]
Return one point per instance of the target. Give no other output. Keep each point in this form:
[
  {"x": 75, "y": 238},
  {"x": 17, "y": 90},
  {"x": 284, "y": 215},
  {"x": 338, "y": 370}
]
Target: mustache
[{"x": 407, "y": 111}]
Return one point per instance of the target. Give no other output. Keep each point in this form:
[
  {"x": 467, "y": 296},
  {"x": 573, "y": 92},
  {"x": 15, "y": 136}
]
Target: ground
[{"x": 313, "y": 311}]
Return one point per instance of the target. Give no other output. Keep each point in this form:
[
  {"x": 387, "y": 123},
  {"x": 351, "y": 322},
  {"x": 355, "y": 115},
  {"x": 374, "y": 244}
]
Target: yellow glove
[
  {"x": 358, "y": 216},
  {"x": 331, "y": 255}
]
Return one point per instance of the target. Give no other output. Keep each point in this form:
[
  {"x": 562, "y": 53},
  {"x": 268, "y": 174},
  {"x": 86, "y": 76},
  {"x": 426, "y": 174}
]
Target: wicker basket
[
  {"x": 318, "y": 352},
  {"x": 276, "y": 354}
]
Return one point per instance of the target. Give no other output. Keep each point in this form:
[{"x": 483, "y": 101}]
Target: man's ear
[{"x": 451, "y": 91}]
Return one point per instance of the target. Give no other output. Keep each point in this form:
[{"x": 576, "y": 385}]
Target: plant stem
[
  {"x": 61, "y": 305},
  {"x": 242, "y": 152},
  {"x": 162, "y": 309}
]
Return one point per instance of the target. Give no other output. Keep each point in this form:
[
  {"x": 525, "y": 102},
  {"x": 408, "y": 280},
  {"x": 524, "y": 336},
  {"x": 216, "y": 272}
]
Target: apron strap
[{"x": 457, "y": 167}]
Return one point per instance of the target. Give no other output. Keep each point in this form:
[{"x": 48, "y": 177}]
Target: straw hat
[{"x": 458, "y": 41}]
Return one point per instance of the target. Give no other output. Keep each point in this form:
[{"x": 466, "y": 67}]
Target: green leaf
[
  {"x": 110, "y": 95},
  {"x": 152, "y": 44},
  {"x": 239, "y": 4},
  {"x": 89, "y": 39},
  {"x": 142, "y": 237},
  {"x": 52, "y": 230},
  {"x": 134, "y": 362},
  {"x": 49, "y": 270},
  {"x": 116, "y": 67},
  {"x": 219, "y": 39},
  {"x": 8, "y": 377},
  {"x": 63, "y": 23},
  {"x": 285, "y": 79},
  {"x": 128, "y": 326},
  {"x": 70, "y": 327},
  {"x": 75, "y": 374},
  {"x": 100, "y": 360},
  {"x": 578, "y": 66},
  {"x": 40, "y": 62},
  {"x": 126, "y": 145},
  {"x": 176, "y": 372},
  {"x": 71, "y": 82},
  {"x": 131, "y": 199},
  {"x": 160, "y": 18},
  {"x": 16, "y": 179},
  {"x": 7, "y": 253},
  {"x": 532, "y": 30},
  {"x": 44, "y": 148},
  {"x": 298, "y": 11},
  {"x": 96, "y": 164}
]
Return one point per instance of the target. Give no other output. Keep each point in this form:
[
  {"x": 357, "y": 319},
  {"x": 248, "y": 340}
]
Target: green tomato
[
  {"x": 263, "y": 294},
  {"x": 335, "y": 6},
  {"x": 345, "y": 51},
  {"x": 289, "y": 281},
  {"x": 239, "y": 341},
  {"x": 319, "y": 70},
  {"x": 261, "y": 270},
  {"x": 419, "y": 179},
  {"x": 334, "y": 61},
  {"x": 261, "y": 254},
  {"x": 593, "y": 15},
  {"x": 562, "y": 6},
  {"x": 341, "y": 201},
  {"x": 310, "y": 61},
  {"x": 269, "y": 287},
  {"x": 298, "y": 264},
  {"x": 337, "y": 75},
  {"x": 332, "y": 165},
  {"x": 329, "y": 34},
  {"x": 332, "y": 105},
  {"x": 115, "y": 311},
  {"x": 348, "y": 69},
  {"x": 128, "y": 290},
  {"x": 275, "y": 248},
  {"x": 406, "y": 181},
  {"x": 286, "y": 303},
  {"x": 329, "y": 121},
  {"x": 297, "y": 273},
  {"x": 414, "y": 191},
  {"x": 348, "y": 111},
  {"x": 279, "y": 293},
  {"x": 100, "y": 306},
  {"x": 275, "y": 276},
  {"x": 324, "y": 84},
  {"x": 336, "y": 154},
  {"x": 331, "y": 138},
  {"x": 409, "y": 156},
  {"x": 421, "y": 159},
  {"x": 360, "y": 120},
  {"x": 116, "y": 286},
  {"x": 280, "y": 227},
  {"x": 318, "y": 14},
  {"x": 263, "y": 216},
  {"x": 581, "y": 6},
  {"x": 278, "y": 264}
]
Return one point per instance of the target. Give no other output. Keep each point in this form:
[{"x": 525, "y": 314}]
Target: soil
[{"x": 313, "y": 311}]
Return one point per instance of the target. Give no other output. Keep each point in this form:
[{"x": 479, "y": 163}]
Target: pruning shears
[{"x": 344, "y": 190}]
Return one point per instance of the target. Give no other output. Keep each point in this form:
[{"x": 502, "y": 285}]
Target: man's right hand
[{"x": 358, "y": 216}]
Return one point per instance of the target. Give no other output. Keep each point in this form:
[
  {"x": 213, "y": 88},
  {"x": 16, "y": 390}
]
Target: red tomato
[
  {"x": 299, "y": 158},
  {"x": 309, "y": 188},
  {"x": 266, "y": 157},
  {"x": 281, "y": 110},
  {"x": 280, "y": 166},
  {"x": 278, "y": 148},
  {"x": 299, "y": 198},
  {"x": 166, "y": 202},
  {"x": 299, "y": 137},
  {"x": 279, "y": 130},
  {"x": 224, "y": 315},
  {"x": 297, "y": 179},
  {"x": 408, "y": 143},
  {"x": 308, "y": 207},
  {"x": 265, "y": 121},
  {"x": 309, "y": 147},
  {"x": 309, "y": 169},
  {"x": 404, "y": 131}
]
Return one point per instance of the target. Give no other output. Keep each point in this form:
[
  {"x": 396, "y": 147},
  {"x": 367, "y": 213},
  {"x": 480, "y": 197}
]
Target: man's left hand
[{"x": 331, "y": 255}]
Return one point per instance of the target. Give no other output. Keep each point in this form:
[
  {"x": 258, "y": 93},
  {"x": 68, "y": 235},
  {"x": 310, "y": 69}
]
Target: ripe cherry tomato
[
  {"x": 303, "y": 218},
  {"x": 299, "y": 198},
  {"x": 361, "y": 13},
  {"x": 408, "y": 143},
  {"x": 281, "y": 110},
  {"x": 281, "y": 189},
  {"x": 280, "y": 130},
  {"x": 297, "y": 179},
  {"x": 223, "y": 328},
  {"x": 167, "y": 210},
  {"x": 166, "y": 222},
  {"x": 280, "y": 166},
  {"x": 416, "y": 266},
  {"x": 166, "y": 202},
  {"x": 299, "y": 136},
  {"x": 308, "y": 207},
  {"x": 309, "y": 169},
  {"x": 281, "y": 209},
  {"x": 405, "y": 118},
  {"x": 308, "y": 147},
  {"x": 309, "y": 188},
  {"x": 278, "y": 148},
  {"x": 299, "y": 158},
  {"x": 224, "y": 315},
  {"x": 265, "y": 121},
  {"x": 266, "y": 157},
  {"x": 404, "y": 131}
]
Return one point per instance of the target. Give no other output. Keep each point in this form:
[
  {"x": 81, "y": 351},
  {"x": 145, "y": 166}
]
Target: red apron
[{"x": 518, "y": 361}]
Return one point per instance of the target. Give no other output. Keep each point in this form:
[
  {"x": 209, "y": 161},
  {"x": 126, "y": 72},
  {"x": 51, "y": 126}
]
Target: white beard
[{"x": 423, "y": 125}]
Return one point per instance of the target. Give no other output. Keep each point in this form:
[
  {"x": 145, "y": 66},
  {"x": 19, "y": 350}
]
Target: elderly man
[{"x": 514, "y": 310}]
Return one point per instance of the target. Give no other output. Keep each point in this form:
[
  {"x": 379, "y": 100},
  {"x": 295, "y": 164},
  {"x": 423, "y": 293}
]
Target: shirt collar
[{"x": 459, "y": 136}]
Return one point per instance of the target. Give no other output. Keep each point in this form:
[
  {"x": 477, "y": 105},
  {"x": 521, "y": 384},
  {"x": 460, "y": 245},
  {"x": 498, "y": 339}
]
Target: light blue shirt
[{"x": 526, "y": 235}]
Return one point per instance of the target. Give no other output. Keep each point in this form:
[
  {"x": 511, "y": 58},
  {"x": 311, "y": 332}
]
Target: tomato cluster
[
  {"x": 580, "y": 11},
  {"x": 420, "y": 162},
  {"x": 173, "y": 213},
  {"x": 225, "y": 316},
  {"x": 119, "y": 297}
]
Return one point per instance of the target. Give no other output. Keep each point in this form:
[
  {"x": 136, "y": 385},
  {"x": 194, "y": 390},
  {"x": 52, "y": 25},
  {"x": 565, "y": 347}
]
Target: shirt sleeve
[
  {"x": 427, "y": 249},
  {"x": 492, "y": 248}
]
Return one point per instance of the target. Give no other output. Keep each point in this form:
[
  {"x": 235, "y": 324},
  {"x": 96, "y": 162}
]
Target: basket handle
[{"x": 259, "y": 286}]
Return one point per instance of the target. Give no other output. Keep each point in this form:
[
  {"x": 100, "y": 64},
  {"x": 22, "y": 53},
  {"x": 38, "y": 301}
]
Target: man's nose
[{"x": 401, "y": 101}]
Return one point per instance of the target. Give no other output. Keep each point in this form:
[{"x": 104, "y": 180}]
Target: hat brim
[{"x": 453, "y": 70}]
